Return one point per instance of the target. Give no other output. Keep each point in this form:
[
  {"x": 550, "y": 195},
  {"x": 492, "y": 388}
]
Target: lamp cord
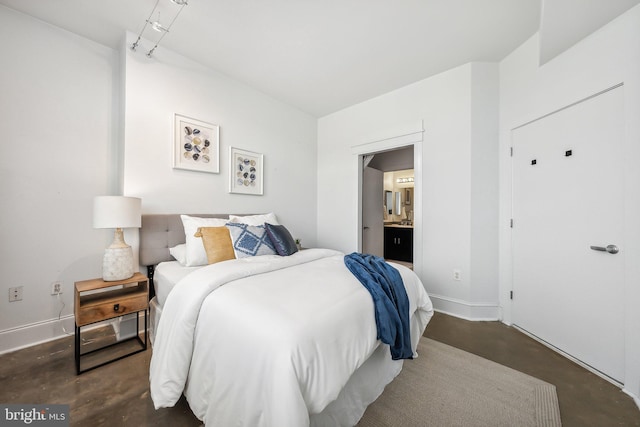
[
  {"x": 60, "y": 315},
  {"x": 63, "y": 305}
]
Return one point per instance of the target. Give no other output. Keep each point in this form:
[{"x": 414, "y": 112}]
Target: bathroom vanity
[{"x": 398, "y": 242}]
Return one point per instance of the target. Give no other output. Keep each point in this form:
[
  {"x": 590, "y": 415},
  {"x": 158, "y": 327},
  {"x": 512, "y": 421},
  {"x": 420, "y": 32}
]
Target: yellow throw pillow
[{"x": 217, "y": 243}]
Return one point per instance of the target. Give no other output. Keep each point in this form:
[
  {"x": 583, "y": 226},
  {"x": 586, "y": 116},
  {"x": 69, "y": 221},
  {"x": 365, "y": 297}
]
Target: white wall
[
  {"x": 81, "y": 120},
  {"x": 57, "y": 121},
  {"x": 453, "y": 142},
  {"x": 528, "y": 91},
  {"x": 169, "y": 83},
  {"x": 484, "y": 190}
]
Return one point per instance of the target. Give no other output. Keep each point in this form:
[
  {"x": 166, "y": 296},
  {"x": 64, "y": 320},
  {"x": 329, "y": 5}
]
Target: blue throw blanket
[{"x": 390, "y": 300}]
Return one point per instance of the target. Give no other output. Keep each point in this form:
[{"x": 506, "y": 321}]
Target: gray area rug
[{"x": 446, "y": 386}]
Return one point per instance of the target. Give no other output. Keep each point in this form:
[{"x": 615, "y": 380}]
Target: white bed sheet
[{"x": 165, "y": 277}]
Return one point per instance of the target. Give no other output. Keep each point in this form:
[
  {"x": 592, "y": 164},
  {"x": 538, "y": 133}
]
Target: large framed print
[
  {"x": 246, "y": 172},
  {"x": 196, "y": 145}
]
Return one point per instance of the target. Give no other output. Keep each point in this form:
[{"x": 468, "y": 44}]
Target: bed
[{"x": 267, "y": 340}]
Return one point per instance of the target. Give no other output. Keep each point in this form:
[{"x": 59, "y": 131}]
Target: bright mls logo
[{"x": 34, "y": 415}]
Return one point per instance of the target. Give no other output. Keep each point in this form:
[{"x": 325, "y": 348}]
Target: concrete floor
[
  {"x": 118, "y": 393},
  {"x": 584, "y": 398}
]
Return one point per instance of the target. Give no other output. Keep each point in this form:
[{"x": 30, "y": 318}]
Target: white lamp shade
[{"x": 116, "y": 212}]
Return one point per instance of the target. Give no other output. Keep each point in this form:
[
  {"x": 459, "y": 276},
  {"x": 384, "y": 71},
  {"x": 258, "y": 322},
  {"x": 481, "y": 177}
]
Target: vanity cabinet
[{"x": 398, "y": 243}]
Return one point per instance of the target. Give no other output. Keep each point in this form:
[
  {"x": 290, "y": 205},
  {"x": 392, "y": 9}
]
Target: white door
[
  {"x": 568, "y": 187},
  {"x": 372, "y": 212}
]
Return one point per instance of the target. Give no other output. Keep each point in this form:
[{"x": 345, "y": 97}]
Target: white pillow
[
  {"x": 196, "y": 254},
  {"x": 179, "y": 252},
  {"x": 255, "y": 219}
]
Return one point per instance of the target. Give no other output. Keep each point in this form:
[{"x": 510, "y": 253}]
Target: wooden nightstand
[{"x": 97, "y": 300}]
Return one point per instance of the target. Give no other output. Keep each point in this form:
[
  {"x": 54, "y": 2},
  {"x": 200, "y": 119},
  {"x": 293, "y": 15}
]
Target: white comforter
[{"x": 276, "y": 343}]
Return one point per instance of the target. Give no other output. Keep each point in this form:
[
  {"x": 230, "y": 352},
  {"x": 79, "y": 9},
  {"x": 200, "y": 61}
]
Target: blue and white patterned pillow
[{"x": 250, "y": 240}]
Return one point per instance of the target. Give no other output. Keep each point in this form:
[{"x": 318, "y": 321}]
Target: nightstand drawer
[
  {"x": 114, "y": 307},
  {"x": 97, "y": 300}
]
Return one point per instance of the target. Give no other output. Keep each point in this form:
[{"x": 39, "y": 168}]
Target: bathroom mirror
[
  {"x": 397, "y": 210},
  {"x": 388, "y": 201}
]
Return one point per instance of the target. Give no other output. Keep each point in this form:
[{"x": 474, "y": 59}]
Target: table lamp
[{"x": 117, "y": 212}]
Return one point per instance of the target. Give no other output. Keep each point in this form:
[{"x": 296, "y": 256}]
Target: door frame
[{"x": 406, "y": 135}]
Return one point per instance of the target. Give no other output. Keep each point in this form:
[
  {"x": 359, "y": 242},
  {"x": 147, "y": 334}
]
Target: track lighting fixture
[{"x": 157, "y": 25}]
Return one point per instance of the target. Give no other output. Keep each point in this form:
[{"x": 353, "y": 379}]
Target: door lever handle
[{"x": 612, "y": 249}]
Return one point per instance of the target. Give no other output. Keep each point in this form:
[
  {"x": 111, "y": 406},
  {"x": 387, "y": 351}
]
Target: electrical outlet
[
  {"x": 456, "y": 275},
  {"x": 15, "y": 294},
  {"x": 56, "y": 288}
]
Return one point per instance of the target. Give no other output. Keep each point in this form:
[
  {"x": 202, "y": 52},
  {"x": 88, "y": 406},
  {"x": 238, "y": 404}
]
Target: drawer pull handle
[{"x": 116, "y": 307}]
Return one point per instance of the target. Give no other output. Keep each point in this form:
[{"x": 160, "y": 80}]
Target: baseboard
[
  {"x": 573, "y": 359},
  {"x": 633, "y": 396},
  {"x": 48, "y": 330},
  {"x": 36, "y": 333},
  {"x": 464, "y": 309},
  {"x": 125, "y": 326}
]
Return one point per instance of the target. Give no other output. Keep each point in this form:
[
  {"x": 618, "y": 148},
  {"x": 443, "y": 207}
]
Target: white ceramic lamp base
[{"x": 117, "y": 263}]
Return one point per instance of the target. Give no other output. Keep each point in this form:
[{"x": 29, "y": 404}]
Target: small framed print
[
  {"x": 196, "y": 145},
  {"x": 246, "y": 172}
]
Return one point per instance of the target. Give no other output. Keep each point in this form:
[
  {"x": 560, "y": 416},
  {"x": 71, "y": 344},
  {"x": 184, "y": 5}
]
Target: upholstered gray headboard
[{"x": 159, "y": 232}]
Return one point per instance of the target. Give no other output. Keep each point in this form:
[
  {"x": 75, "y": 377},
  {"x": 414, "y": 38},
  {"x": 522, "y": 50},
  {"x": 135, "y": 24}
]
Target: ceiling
[
  {"x": 323, "y": 56},
  {"x": 394, "y": 160},
  {"x": 566, "y": 22}
]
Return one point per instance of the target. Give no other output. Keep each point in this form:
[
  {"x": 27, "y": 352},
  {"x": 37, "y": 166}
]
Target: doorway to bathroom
[{"x": 388, "y": 204}]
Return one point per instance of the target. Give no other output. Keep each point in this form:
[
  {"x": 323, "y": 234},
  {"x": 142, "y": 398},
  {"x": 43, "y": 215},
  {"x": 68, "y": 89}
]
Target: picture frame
[
  {"x": 196, "y": 145},
  {"x": 246, "y": 172}
]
